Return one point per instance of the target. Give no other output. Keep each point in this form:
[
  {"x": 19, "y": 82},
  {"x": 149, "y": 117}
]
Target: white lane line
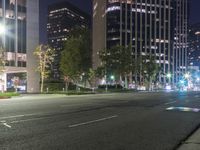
[
  {"x": 26, "y": 120},
  {"x": 93, "y": 121},
  {"x": 5, "y": 124},
  {"x": 170, "y": 103},
  {"x": 10, "y": 117},
  {"x": 17, "y": 116}
]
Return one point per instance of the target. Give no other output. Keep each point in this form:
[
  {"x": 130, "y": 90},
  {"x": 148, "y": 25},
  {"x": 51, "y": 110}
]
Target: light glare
[{"x": 2, "y": 29}]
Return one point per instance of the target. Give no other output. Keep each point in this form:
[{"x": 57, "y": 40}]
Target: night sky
[{"x": 86, "y": 6}]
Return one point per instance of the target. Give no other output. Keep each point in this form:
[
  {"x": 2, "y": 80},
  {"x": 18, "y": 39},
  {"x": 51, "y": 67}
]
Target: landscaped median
[
  {"x": 8, "y": 95},
  {"x": 97, "y": 91}
]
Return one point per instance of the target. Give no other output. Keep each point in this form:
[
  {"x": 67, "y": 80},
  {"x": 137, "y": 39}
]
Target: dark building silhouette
[
  {"x": 62, "y": 18},
  {"x": 194, "y": 45}
]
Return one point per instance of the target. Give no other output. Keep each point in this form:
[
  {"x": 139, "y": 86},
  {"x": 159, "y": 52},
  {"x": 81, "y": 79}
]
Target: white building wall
[{"x": 33, "y": 79}]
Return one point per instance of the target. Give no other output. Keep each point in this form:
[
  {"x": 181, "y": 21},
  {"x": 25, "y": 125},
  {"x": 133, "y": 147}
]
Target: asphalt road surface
[{"x": 133, "y": 121}]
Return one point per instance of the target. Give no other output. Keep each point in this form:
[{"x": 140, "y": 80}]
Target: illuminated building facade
[
  {"x": 194, "y": 45},
  {"x": 20, "y": 18},
  {"x": 180, "y": 44},
  {"x": 62, "y": 18},
  {"x": 150, "y": 27}
]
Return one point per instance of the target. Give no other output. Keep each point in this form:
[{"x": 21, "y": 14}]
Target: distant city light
[
  {"x": 182, "y": 81},
  {"x": 168, "y": 87},
  {"x": 197, "y": 33}
]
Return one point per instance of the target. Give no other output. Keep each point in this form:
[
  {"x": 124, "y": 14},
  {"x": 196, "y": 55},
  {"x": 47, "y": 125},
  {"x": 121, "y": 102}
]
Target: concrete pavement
[{"x": 192, "y": 143}]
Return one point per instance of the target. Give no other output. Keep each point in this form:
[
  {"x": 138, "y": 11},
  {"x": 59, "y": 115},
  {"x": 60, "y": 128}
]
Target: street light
[
  {"x": 112, "y": 77},
  {"x": 187, "y": 75},
  {"x": 169, "y": 75}
]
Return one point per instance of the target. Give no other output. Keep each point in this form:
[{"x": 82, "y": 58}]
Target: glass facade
[
  {"x": 13, "y": 17},
  {"x": 194, "y": 45},
  {"x": 145, "y": 25},
  {"x": 180, "y": 46}
]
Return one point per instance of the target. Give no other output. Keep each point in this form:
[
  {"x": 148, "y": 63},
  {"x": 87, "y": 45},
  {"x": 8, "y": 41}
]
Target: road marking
[
  {"x": 184, "y": 109},
  {"x": 18, "y": 116},
  {"x": 26, "y": 120},
  {"x": 5, "y": 124},
  {"x": 170, "y": 103},
  {"x": 93, "y": 121}
]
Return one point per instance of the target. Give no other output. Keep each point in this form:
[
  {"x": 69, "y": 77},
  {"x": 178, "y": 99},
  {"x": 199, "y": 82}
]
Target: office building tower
[
  {"x": 62, "y": 19},
  {"x": 149, "y": 27},
  {"x": 20, "y": 35},
  {"x": 194, "y": 45},
  {"x": 180, "y": 19}
]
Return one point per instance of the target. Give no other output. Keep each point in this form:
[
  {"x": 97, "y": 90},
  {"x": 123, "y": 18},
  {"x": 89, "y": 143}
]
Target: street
[{"x": 122, "y": 121}]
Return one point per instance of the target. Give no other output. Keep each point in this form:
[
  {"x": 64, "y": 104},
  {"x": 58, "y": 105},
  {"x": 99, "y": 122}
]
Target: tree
[
  {"x": 91, "y": 76},
  {"x": 118, "y": 60},
  {"x": 76, "y": 56},
  {"x": 70, "y": 64},
  {"x": 149, "y": 69},
  {"x": 45, "y": 56},
  {"x": 2, "y": 60},
  {"x": 83, "y": 37}
]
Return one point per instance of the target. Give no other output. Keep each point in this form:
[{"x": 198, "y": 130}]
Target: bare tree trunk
[
  {"x": 126, "y": 82},
  {"x": 120, "y": 80},
  {"x": 66, "y": 86},
  {"x": 150, "y": 84},
  {"x": 131, "y": 77},
  {"x": 42, "y": 84}
]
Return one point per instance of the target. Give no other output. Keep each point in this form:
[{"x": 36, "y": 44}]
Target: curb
[{"x": 193, "y": 142}]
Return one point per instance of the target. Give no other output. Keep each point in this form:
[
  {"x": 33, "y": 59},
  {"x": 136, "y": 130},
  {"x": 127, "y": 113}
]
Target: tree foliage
[
  {"x": 117, "y": 60},
  {"x": 2, "y": 60},
  {"x": 76, "y": 56},
  {"x": 45, "y": 56},
  {"x": 149, "y": 69}
]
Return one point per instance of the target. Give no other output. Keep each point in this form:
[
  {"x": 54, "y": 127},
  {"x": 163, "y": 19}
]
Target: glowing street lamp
[
  {"x": 187, "y": 75},
  {"x": 169, "y": 75},
  {"x": 112, "y": 77}
]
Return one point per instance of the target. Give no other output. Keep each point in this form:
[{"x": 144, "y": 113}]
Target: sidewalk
[{"x": 192, "y": 143}]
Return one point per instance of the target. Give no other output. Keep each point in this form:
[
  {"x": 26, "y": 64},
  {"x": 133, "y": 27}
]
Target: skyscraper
[
  {"x": 20, "y": 18},
  {"x": 150, "y": 27},
  {"x": 180, "y": 19},
  {"x": 194, "y": 45},
  {"x": 62, "y": 19}
]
